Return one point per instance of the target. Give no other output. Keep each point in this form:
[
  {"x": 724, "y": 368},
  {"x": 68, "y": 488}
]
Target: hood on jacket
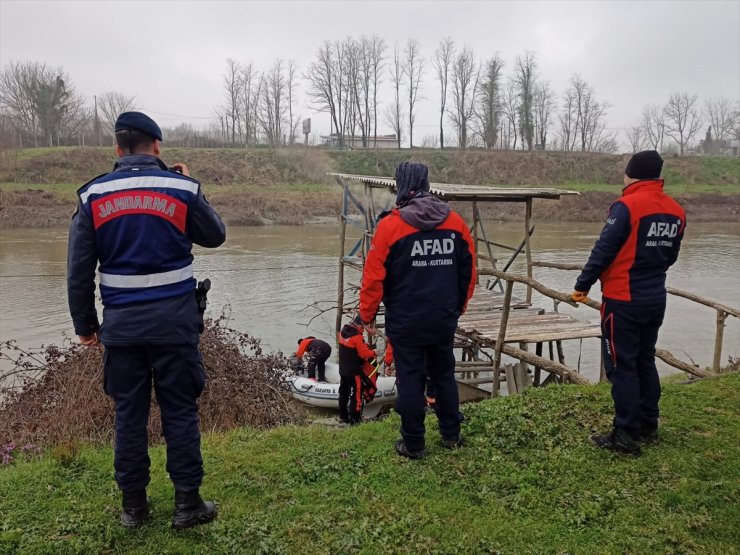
[
  {"x": 412, "y": 180},
  {"x": 424, "y": 212}
]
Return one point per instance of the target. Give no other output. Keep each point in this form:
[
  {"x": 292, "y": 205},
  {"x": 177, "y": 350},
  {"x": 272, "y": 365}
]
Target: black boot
[
  {"x": 619, "y": 441},
  {"x": 191, "y": 510},
  {"x": 136, "y": 508}
]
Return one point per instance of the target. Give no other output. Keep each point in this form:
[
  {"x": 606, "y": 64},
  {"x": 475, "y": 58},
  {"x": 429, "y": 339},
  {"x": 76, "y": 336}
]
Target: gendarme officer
[{"x": 136, "y": 226}]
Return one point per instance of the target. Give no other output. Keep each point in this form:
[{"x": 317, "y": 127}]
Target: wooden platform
[
  {"x": 526, "y": 325},
  {"x": 460, "y": 192}
]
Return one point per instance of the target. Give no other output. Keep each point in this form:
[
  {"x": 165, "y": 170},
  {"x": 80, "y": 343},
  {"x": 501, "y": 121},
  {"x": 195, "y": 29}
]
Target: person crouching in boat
[
  {"x": 356, "y": 372},
  {"x": 317, "y": 352}
]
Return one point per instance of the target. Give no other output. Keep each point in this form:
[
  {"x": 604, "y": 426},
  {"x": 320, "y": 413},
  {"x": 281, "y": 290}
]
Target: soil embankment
[{"x": 290, "y": 186}]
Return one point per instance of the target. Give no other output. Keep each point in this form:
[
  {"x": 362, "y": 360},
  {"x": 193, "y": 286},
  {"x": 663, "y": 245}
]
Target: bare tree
[
  {"x": 41, "y": 100},
  {"x": 464, "y": 88},
  {"x": 488, "y": 106},
  {"x": 326, "y": 92},
  {"x": 543, "y": 111},
  {"x": 722, "y": 114},
  {"x": 413, "y": 69},
  {"x": 653, "y": 126},
  {"x": 682, "y": 119},
  {"x": 249, "y": 81},
  {"x": 568, "y": 117},
  {"x": 393, "y": 112},
  {"x": 430, "y": 141},
  {"x": 511, "y": 112},
  {"x": 290, "y": 91},
  {"x": 525, "y": 80},
  {"x": 16, "y": 85},
  {"x": 441, "y": 62},
  {"x": 636, "y": 138},
  {"x": 589, "y": 126},
  {"x": 272, "y": 106},
  {"x": 111, "y": 105},
  {"x": 377, "y": 63},
  {"x": 233, "y": 104},
  {"x": 358, "y": 79}
]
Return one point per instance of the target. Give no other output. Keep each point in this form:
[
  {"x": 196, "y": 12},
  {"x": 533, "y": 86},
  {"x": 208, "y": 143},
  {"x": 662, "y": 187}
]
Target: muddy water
[{"x": 274, "y": 281}]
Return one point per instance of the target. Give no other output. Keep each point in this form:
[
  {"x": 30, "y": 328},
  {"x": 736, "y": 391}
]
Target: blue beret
[{"x": 139, "y": 122}]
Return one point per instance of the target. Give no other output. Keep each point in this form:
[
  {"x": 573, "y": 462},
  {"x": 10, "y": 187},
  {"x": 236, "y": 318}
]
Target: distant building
[
  {"x": 722, "y": 147},
  {"x": 355, "y": 142}
]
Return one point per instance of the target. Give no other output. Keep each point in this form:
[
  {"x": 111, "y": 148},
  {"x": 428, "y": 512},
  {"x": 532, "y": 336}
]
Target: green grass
[
  {"x": 527, "y": 481},
  {"x": 64, "y": 190},
  {"x": 672, "y": 188}
]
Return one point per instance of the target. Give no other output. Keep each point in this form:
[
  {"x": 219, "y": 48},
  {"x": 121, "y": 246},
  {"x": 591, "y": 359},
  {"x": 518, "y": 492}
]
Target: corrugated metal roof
[{"x": 452, "y": 191}]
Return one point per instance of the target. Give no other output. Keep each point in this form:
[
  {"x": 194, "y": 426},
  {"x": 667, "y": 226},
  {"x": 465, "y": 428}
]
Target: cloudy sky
[{"x": 172, "y": 55}]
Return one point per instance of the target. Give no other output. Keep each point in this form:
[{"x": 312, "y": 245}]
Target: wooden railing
[{"x": 723, "y": 311}]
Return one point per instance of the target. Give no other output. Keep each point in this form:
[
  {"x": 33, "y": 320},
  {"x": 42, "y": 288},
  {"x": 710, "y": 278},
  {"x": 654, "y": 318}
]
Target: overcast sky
[{"x": 172, "y": 55}]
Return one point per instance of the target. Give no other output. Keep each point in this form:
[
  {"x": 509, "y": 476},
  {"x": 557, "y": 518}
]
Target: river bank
[
  {"x": 23, "y": 206},
  {"x": 291, "y": 186}
]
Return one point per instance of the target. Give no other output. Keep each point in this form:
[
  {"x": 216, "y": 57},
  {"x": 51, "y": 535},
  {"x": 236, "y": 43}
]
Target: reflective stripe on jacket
[{"x": 139, "y": 223}]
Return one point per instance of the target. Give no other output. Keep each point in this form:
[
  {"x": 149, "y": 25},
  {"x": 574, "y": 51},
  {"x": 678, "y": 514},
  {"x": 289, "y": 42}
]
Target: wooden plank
[
  {"x": 523, "y": 380},
  {"x": 511, "y": 384}
]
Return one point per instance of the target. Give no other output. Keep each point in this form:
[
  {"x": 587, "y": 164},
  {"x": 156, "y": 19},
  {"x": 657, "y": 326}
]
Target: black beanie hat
[
  {"x": 644, "y": 165},
  {"x": 412, "y": 179}
]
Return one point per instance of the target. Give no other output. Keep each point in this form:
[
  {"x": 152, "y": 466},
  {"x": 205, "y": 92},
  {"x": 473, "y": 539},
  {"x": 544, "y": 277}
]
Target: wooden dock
[
  {"x": 496, "y": 323},
  {"x": 487, "y": 322}
]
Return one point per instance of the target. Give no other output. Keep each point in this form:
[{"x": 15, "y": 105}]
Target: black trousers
[
  {"x": 178, "y": 377},
  {"x": 413, "y": 365},
  {"x": 629, "y": 334},
  {"x": 318, "y": 362},
  {"x": 350, "y": 399}
]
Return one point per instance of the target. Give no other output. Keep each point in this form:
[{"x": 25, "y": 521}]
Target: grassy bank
[
  {"x": 290, "y": 186},
  {"x": 526, "y": 482},
  {"x": 264, "y": 167}
]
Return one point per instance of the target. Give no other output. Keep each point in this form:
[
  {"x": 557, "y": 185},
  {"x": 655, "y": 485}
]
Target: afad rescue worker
[
  {"x": 355, "y": 369},
  {"x": 638, "y": 244},
  {"x": 421, "y": 266},
  {"x": 429, "y": 387},
  {"x": 136, "y": 226},
  {"x": 318, "y": 352}
]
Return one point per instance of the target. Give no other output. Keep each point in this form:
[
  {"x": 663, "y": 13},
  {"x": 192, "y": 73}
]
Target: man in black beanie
[{"x": 638, "y": 244}]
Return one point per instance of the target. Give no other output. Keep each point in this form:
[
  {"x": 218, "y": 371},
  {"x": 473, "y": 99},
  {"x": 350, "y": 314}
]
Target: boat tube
[{"x": 326, "y": 395}]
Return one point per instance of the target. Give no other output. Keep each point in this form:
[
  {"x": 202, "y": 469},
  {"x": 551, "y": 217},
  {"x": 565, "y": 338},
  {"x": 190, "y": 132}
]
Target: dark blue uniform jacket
[{"x": 139, "y": 223}]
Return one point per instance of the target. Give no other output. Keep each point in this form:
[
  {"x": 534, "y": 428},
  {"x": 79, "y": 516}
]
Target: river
[{"x": 273, "y": 281}]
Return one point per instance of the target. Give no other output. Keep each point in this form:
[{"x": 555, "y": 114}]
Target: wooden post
[
  {"x": 538, "y": 352},
  {"x": 340, "y": 279},
  {"x": 365, "y": 237},
  {"x": 602, "y": 370},
  {"x": 721, "y": 317},
  {"x": 501, "y": 337},
  {"x": 561, "y": 354},
  {"x": 475, "y": 238},
  {"x": 528, "y": 246}
]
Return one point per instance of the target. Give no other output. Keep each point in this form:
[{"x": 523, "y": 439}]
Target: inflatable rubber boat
[{"x": 326, "y": 395}]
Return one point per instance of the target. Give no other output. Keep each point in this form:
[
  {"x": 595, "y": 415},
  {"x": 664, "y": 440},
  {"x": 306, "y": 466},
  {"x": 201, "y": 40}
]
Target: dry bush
[{"x": 55, "y": 396}]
